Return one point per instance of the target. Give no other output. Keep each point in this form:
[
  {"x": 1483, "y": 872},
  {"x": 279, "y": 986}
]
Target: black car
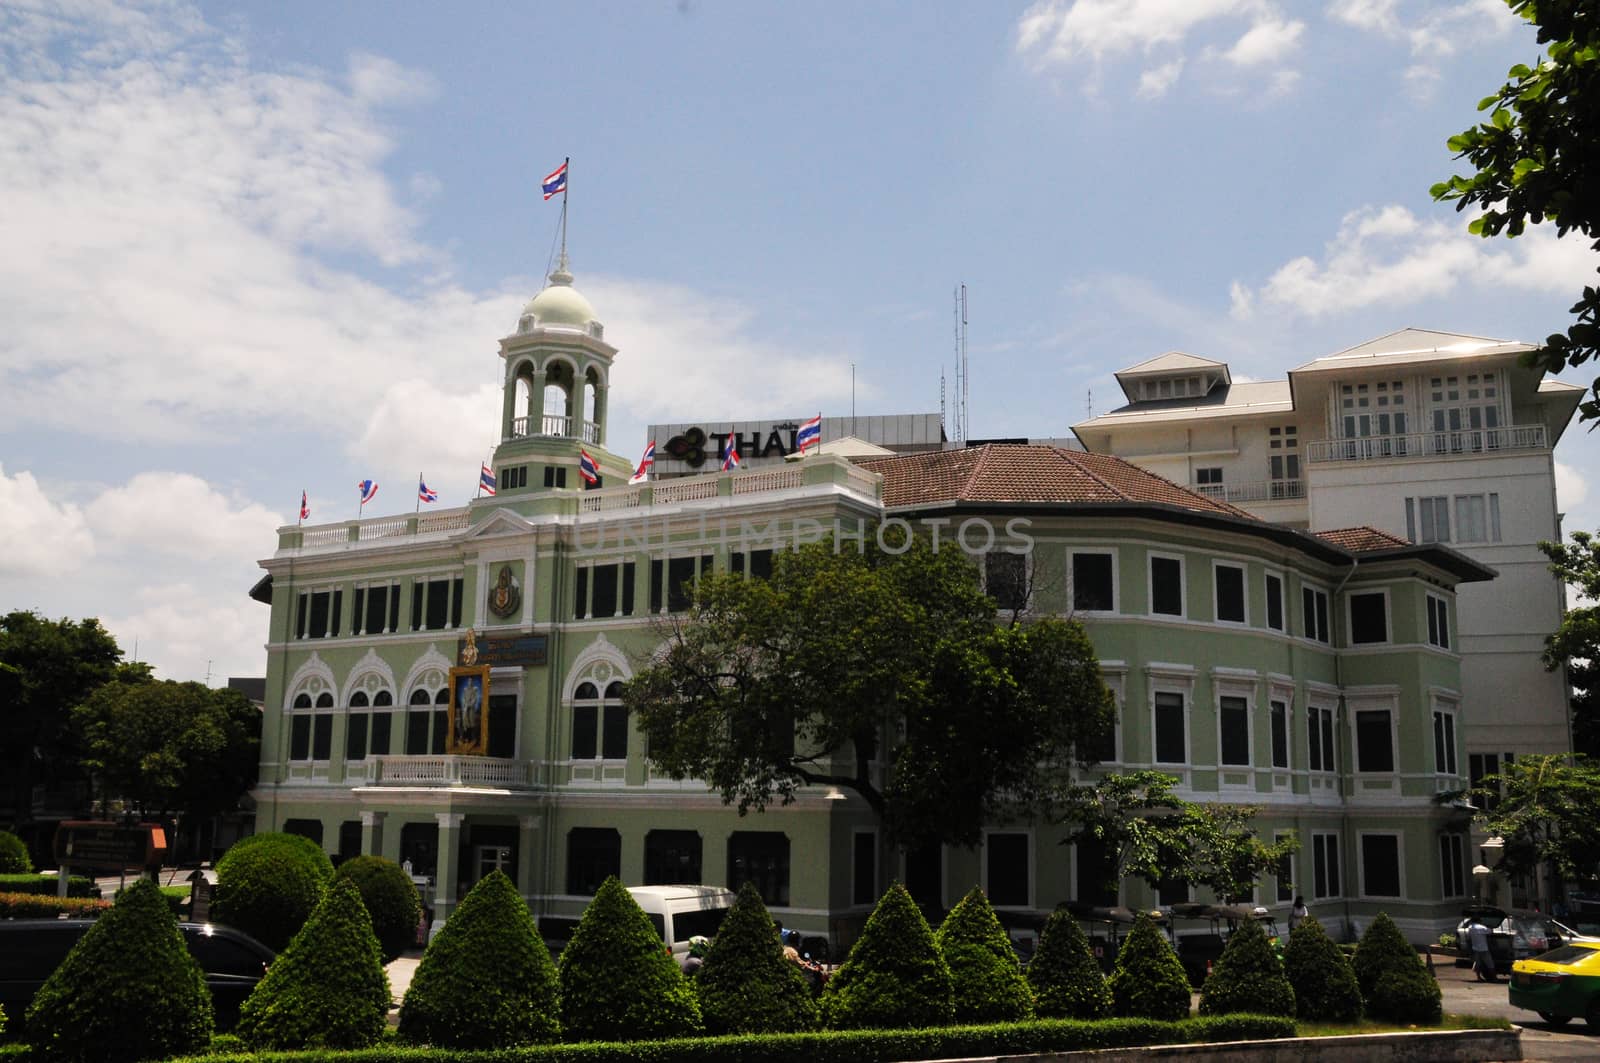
[{"x": 30, "y": 949}]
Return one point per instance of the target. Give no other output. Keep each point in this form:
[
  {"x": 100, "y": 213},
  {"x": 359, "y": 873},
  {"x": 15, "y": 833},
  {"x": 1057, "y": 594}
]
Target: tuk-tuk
[
  {"x": 1106, "y": 927},
  {"x": 1199, "y": 950}
]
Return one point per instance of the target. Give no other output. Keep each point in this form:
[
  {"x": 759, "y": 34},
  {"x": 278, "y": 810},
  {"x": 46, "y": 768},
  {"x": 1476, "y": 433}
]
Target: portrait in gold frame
[{"x": 469, "y": 711}]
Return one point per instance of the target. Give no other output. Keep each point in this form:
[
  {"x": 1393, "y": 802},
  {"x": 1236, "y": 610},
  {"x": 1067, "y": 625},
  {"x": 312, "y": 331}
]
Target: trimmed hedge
[
  {"x": 1394, "y": 983},
  {"x": 1325, "y": 988},
  {"x": 894, "y": 976},
  {"x": 616, "y": 978},
  {"x": 747, "y": 984},
  {"x": 1148, "y": 982},
  {"x": 391, "y": 899},
  {"x": 34, "y": 906},
  {"x": 328, "y": 988},
  {"x": 14, "y": 858},
  {"x": 128, "y": 990},
  {"x": 1067, "y": 982},
  {"x": 487, "y": 980},
  {"x": 268, "y": 884},
  {"x": 1408, "y": 997},
  {"x": 984, "y": 970},
  {"x": 176, "y": 898},
  {"x": 1247, "y": 977},
  {"x": 1381, "y": 949},
  {"x": 48, "y": 885}
]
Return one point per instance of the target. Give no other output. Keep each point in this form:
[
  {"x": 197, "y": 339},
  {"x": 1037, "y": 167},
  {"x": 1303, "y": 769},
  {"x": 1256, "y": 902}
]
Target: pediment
[{"x": 502, "y": 523}]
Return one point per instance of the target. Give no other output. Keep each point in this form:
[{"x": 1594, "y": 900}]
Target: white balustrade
[
  {"x": 446, "y": 770},
  {"x": 671, "y": 492},
  {"x": 748, "y": 483},
  {"x": 1428, "y": 444},
  {"x": 608, "y": 499},
  {"x": 385, "y": 528}
]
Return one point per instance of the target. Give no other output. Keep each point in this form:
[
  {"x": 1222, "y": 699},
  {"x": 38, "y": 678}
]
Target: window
[
  {"x": 1230, "y": 593},
  {"x": 1284, "y": 872},
  {"x": 924, "y": 875},
  {"x": 1166, "y": 586},
  {"x": 760, "y": 857},
  {"x": 1278, "y": 713},
  {"x": 864, "y": 868},
  {"x": 427, "y": 721},
  {"x": 1464, "y": 406},
  {"x": 305, "y": 828},
  {"x": 603, "y": 591},
  {"x": 1096, "y": 877},
  {"x": 349, "y": 840},
  {"x": 377, "y": 609},
  {"x": 322, "y": 730},
  {"x": 1444, "y": 742},
  {"x": 1283, "y": 443},
  {"x": 355, "y": 735},
  {"x": 555, "y": 476},
  {"x": 757, "y": 564},
  {"x": 1374, "y": 410},
  {"x": 1005, "y": 579},
  {"x": 1233, "y": 716},
  {"x": 512, "y": 477},
  {"x": 1481, "y": 766},
  {"x": 1380, "y": 865},
  {"x": 671, "y": 857},
  {"x": 1428, "y": 519},
  {"x": 317, "y": 614},
  {"x": 1314, "y": 613},
  {"x": 1478, "y": 518},
  {"x": 1325, "y": 866},
  {"x": 382, "y": 722},
  {"x": 1274, "y": 601},
  {"x": 599, "y": 725},
  {"x": 593, "y": 855},
  {"x": 1319, "y": 739},
  {"x": 311, "y": 727},
  {"x": 1007, "y": 877},
  {"x": 1172, "y": 891},
  {"x": 1093, "y": 586},
  {"x": 1369, "y": 618},
  {"x": 678, "y": 589},
  {"x": 1453, "y": 865},
  {"x": 300, "y": 730},
  {"x": 1171, "y": 742},
  {"x": 419, "y": 844},
  {"x": 436, "y": 603},
  {"x": 1208, "y": 477},
  {"x": 1438, "y": 622},
  {"x": 1374, "y": 741}
]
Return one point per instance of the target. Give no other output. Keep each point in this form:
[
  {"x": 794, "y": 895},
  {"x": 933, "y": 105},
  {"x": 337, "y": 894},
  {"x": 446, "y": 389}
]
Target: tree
[
  {"x": 747, "y": 984},
  {"x": 895, "y": 977},
  {"x": 770, "y": 685},
  {"x": 1066, "y": 980},
  {"x": 1576, "y": 643},
  {"x": 1247, "y": 977},
  {"x": 46, "y": 667},
  {"x": 984, "y": 970},
  {"x": 391, "y": 900},
  {"x": 269, "y": 884},
  {"x": 1543, "y": 806},
  {"x": 1148, "y": 982},
  {"x": 1538, "y": 159},
  {"x": 1325, "y": 988}
]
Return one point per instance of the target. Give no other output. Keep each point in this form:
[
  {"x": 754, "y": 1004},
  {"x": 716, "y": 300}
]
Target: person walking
[
  {"x": 1299, "y": 913},
  {"x": 1482, "y": 960}
]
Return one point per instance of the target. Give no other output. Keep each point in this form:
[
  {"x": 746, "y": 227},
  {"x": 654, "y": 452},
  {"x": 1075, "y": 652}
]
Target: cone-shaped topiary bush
[
  {"x": 1066, "y": 980},
  {"x": 1383, "y": 948},
  {"x": 747, "y": 984},
  {"x": 988, "y": 981},
  {"x": 1148, "y": 982},
  {"x": 894, "y": 975},
  {"x": 14, "y": 858},
  {"x": 487, "y": 980},
  {"x": 1410, "y": 996},
  {"x": 128, "y": 990},
  {"x": 1247, "y": 977},
  {"x": 267, "y": 884},
  {"x": 328, "y": 988},
  {"x": 617, "y": 981},
  {"x": 391, "y": 899},
  {"x": 1325, "y": 987}
]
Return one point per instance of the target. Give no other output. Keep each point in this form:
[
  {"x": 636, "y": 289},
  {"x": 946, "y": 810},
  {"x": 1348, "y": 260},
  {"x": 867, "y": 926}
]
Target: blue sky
[{"x": 250, "y": 249}]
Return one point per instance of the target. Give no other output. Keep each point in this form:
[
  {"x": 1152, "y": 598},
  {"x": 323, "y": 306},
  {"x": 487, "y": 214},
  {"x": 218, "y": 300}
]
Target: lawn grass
[{"x": 1450, "y": 1022}]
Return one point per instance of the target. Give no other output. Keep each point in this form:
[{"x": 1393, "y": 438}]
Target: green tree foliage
[
  {"x": 1537, "y": 159},
  {"x": 268, "y": 884},
  {"x": 46, "y": 667},
  {"x": 328, "y": 988},
  {"x": 129, "y": 990},
  {"x": 617, "y": 981},
  {"x": 1325, "y": 988},
  {"x": 894, "y": 644},
  {"x": 894, "y": 976},
  {"x": 1247, "y": 977},
  {"x": 1066, "y": 980},
  {"x": 988, "y": 980},
  {"x": 390, "y": 898},
  {"x": 14, "y": 858},
  {"x": 1148, "y": 982},
  {"x": 1545, "y": 813},
  {"x": 1576, "y": 643},
  {"x": 747, "y": 984},
  {"x": 487, "y": 980},
  {"x": 1394, "y": 983}
]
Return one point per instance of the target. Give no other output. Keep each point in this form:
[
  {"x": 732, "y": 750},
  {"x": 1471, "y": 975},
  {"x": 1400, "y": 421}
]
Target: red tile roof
[
  {"x": 1016, "y": 472},
  {"x": 1360, "y": 540}
]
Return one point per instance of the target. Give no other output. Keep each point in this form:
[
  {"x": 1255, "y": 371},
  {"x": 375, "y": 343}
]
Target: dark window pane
[
  {"x": 377, "y": 608},
  {"x": 319, "y": 615},
  {"x": 924, "y": 876},
  {"x": 394, "y": 607},
  {"x": 1280, "y": 734},
  {"x": 336, "y": 612},
  {"x": 417, "y": 593},
  {"x": 1091, "y": 581},
  {"x": 864, "y": 868},
  {"x": 680, "y": 583},
  {"x": 359, "y": 614},
  {"x": 1170, "y": 746},
  {"x": 1329, "y": 750},
  {"x": 1005, "y": 577},
  {"x": 1235, "y": 719},
  {"x": 1367, "y": 620},
  {"x": 502, "y": 725},
  {"x": 593, "y": 855},
  {"x": 1275, "y": 603},
  {"x": 1380, "y": 865},
  {"x": 441, "y": 731},
  {"x": 380, "y": 733},
  {"x": 322, "y": 737},
  {"x": 671, "y": 856},
  {"x": 736, "y": 563},
  {"x": 614, "y": 740},
  {"x": 657, "y": 593},
  {"x": 761, "y": 857},
  {"x": 301, "y": 608},
  {"x": 1230, "y": 593},
  {"x": 1172, "y": 891},
  {"x": 1166, "y": 586},
  {"x": 306, "y": 828},
  {"x": 629, "y": 575},
  {"x": 761, "y": 564},
  {"x": 1374, "y": 748},
  {"x": 1096, "y": 882},
  {"x": 584, "y": 723},
  {"x": 438, "y": 603},
  {"x": 605, "y": 591},
  {"x": 355, "y": 738},
  {"x": 349, "y": 839},
  {"x": 419, "y": 843},
  {"x": 417, "y": 733},
  {"x": 1007, "y": 859},
  {"x": 455, "y": 601},
  {"x": 300, "y": 738},
  {"x": 580, "y": 593}
]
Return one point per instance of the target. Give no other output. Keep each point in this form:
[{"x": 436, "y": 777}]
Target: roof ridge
[{"x": 1062, "y": 452}]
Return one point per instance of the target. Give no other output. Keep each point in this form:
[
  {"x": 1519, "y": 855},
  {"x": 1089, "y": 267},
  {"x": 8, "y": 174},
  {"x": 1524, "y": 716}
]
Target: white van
[{"x": 682, "y": 912}]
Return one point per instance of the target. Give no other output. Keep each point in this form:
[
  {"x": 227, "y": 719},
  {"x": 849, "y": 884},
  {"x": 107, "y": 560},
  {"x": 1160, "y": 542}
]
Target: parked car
[
  {"x": 31, "y": 949},
  {"x": 1561, "y": 984},
  {"x": 1513, "y": 935},
  {"x": 681, "y": 912}
]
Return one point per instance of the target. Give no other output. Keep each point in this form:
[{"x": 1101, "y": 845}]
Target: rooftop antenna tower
[
  {"x": 961, "y": 364},
  {"x": 942, "y": 421}
]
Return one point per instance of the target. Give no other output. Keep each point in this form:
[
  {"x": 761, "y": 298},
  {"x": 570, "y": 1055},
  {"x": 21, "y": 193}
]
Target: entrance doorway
[{"x": 492, "y": 858}]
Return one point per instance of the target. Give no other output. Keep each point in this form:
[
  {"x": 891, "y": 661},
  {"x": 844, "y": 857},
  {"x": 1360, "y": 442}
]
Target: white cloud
[
  {"x": 179, "y": 514},
  {"x": 185, "y": 629},
  {"x": 39, "y": 536},
  {"x": 1157, "y": 80},
  {"x": 1265, "y": 42},
  {"x": 378, "y": 80},
  {"x": 1429, "y": 30},
  {"x": 1572, "y": 488}
]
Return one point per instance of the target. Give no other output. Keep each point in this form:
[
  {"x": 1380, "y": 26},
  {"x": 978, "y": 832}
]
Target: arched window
[
  {"x": 311, "y": 727},
  {"x": 599, "y": 723}
]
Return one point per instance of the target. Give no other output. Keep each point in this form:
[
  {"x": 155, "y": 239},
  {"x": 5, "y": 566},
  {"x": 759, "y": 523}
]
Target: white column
[
  {"x": 371, "y": 833},
  {"x": 527, "y": 839},
  {"x": 444, "y": 874}
]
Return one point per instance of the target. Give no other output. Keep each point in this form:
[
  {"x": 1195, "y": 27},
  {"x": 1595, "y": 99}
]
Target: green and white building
[{"x": 1313, "y": 674}]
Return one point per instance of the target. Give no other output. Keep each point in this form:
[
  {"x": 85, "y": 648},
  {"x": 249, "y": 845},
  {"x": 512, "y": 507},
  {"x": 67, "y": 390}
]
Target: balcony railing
[
  {"x": 1428, "y": 444},
  {"x": 444, "y": 770},
  {"x": 1255, "y": 491},
  {"x": 554, "y": 425}
]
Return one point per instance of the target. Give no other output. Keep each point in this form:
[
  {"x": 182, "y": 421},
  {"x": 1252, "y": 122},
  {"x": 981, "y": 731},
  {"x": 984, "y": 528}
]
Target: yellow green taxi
[{"x": 1561, "y": 984}]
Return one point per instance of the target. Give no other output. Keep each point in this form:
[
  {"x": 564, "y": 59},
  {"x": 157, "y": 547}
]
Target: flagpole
[
  {"x": 566, "y": 186},
  {"x": 418, "y": 508}
]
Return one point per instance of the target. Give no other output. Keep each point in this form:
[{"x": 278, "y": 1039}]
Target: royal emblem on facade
[{"x": 505, "y": 597}]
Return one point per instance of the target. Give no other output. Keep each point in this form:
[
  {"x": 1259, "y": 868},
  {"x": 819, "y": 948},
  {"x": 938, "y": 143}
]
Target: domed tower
[{"x": 557, "y": 374}]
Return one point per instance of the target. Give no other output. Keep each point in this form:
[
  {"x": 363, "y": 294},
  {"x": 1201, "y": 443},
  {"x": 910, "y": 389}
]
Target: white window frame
[
  {"x": 1266, "y": 593},
  {"x": 1279, "y": 884},
  {"x": 1438, "y": 610},
  {"x": 1150, "y": 588},
  {"x": 1281, "y": 694},
  {"x": 1172, "y": 679},
  {"x": 1386, "y": 705},
  {"x": 1446, "y": 709},
  {"x": 1327, "y": 611},
  {"x": 1361, "y": 864},
  {"x": 1027, "y": 578},
  {"x": 1332, "y": 734},
  {"x": 1115, "y": 675},
  {"x": 1029, "y": 872},
  {"x": 1460, "y": 861},
  {"x": 1226, "y": 686},
  {"x": 1116, "y": 580},
  {"x": 1349, "y": 617},
  {"x": 1322, "y": 840},
  {"x": 1244, "y": 592}
]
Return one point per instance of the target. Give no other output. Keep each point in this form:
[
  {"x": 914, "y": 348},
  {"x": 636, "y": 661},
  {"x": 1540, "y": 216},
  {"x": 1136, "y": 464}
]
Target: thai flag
[
  {"x": 810, "y": 434},
  {"x": 730, "y": 460},
  {"x": 368, "y": 489},
  {"x": 556, "y": 183},
  {"x": 587, "y": 468},
  {"x": 305, "y": 507},
  {"x": 486, "y": 480},
  {"x": 646, "y": 463},
  {"x": 426, "y": 493}
]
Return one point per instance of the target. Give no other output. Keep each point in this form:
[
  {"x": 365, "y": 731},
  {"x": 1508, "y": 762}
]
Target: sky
[{"x": 252, "y": 249}]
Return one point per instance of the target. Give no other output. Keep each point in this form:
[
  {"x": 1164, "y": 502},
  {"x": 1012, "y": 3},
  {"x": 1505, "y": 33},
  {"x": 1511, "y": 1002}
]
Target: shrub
[
  {"x": 14, "y": 858},
  {"x": 1407, "y": 996},
  {"x": 1447, "y": 940},
  {"x": 328, "y": 988},
  {"x": 988, "y": 981},
  {"x": 128, "y": 990},
  {"x": 1382, "y": 949},
  {"x": 268, "y": 884},
  {"x": 1247, "y": 977},
  {"x": 894, "y": 975},
  {"x": 49, "y": 885},
  {"x": 487, "y": 980},
  {"x": 35, "y": 906},
  {"x": 747, "y": 984},
  {"x": 1148, "y": 981},
  {"x": 391, "y": 899},
  {"x": 1067, "y": 982},
  {"x": 1325, "y": 987},
  {"x": 176, "y": 898},
  {"x": 617, "y": 981}
]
